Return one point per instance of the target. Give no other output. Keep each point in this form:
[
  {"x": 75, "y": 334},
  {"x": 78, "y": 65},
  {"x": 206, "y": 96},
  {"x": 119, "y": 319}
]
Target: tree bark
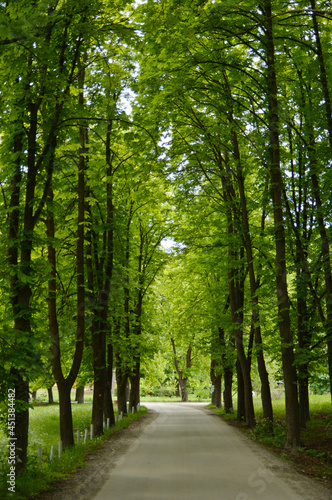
[
  {"x": 108, "y": 401},
  {"x": 121, "y": 380},
  {"x": 50, "y": 395},
  {"x": 79, "y": 394},
  {"x": 227, "y": 394},
  {"x": 216, "y": 384},
  {"x": 241, "y": 403}
]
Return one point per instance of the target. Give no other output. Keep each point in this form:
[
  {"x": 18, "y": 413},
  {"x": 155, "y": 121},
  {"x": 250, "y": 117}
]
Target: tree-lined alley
[{"x": 124, "y": 125}]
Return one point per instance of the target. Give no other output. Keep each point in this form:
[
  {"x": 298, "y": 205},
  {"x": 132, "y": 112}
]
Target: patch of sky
[{"x": 171, "y": 246}]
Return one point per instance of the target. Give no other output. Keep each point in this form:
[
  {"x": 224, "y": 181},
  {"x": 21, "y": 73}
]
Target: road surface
[{"x": 187, "y": 453}]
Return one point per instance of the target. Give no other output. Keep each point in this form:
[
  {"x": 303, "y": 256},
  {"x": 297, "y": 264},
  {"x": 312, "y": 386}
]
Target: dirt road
[{"x": 187, "y": 453}]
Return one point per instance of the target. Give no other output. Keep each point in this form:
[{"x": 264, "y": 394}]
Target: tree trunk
[
  {"x": 66, "y": 417},
  {"x": 80, "y": 394},
  {"x": 177, "y": 388},
  {"x": 263, "y": 374},
  {"x": 289, "y": 370},
  {"x": 121, "y": 380},
  {"x": 241, "y": 405},
  {"x": 134, "y": 398},
  {"x": 108, "y": 401},
  {"x": 65, "y": 384},
  {"x": 21, "y": 387},
  {"x": 304, "y": 341},
  {"x": 50, "y": 396},
  {"x": 216, "y": 384},
  {"x": 227, "y": 394},
  {"x": 236, "y": 288},
  {"x": 98, "y": 400}
]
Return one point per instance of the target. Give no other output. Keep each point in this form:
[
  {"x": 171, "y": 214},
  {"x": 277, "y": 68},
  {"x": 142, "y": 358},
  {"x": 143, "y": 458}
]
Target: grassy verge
[
  {"x": 44, "y": 432},
  {"x": 314, "y": 457}
]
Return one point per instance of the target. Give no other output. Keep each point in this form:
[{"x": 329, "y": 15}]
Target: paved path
[{"x": 189, "y": 454}]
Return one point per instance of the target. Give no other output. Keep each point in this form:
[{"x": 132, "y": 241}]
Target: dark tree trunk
[
  {"x": 50, "y": 396},
  {"x": 184, "y": 391},
  {"x": 65, "y": 384},
  {"x": 79, "y": 394},
  {"x": 263, "y": 374},
  {"x": 122, "y": 381},
  {"x": 134, "y": 398},
  {"x": 108, "y": 402},
  {"x": 289, "y": 369},
  {"x": 98, "y": 400},
  {"x": 228, "y": 396},
  {"x": 236, "y": 289},
  {"x": 236, "y": 298},
  {"x": 216, "y": 384},
  {"x": 66, "y": 417},
  {"x": 241, "y": 411},
  {"x": 177, "y": 388},
  {"x": 304, "y": 341},
  {"x": 19, "y": 300},
  {"x": 21, "y": 387},
  {"x": 304, "y": 395}
]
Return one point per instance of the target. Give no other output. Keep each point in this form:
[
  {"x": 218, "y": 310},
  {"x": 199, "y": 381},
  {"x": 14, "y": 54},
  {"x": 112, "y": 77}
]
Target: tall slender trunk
[
  {"x": 227, "y": 394},
  {"x": 134, "y": 399},
  {"x": 241, "y": 403},
  {"x": 289, "y": 370},
  {"x": 64, "y": 384},
  {"x": 122, "y": 381},
  {"x": 20, "y": 383},
  {"x": 108, "y": 401},
  {"x": 236, "y": 293},
  {"x": 263, "y": 374},
  {"x": 50, "y": 395},
  {"x": 216, "y": 378},
  {"x": 79, "y": 398}
]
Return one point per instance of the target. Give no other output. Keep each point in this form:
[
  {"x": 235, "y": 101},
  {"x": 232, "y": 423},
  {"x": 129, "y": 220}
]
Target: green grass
[
  {"x": 319, "y": 404},
  {"x": 42, "y": 395},
  {"x": 44, "y": 425},
  {"x": 44, "y": 432},
  {"x": 174, "y": 399}
]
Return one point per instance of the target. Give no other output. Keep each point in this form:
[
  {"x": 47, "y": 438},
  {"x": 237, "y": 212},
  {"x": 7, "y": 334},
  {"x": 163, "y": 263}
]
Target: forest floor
[{"x": 314, "y": 457}]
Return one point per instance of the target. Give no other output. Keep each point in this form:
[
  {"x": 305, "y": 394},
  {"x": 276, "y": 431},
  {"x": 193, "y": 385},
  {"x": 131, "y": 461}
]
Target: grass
[
  {"x": 174, "y": 399},
  {"x": 44, "y": 432}
]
